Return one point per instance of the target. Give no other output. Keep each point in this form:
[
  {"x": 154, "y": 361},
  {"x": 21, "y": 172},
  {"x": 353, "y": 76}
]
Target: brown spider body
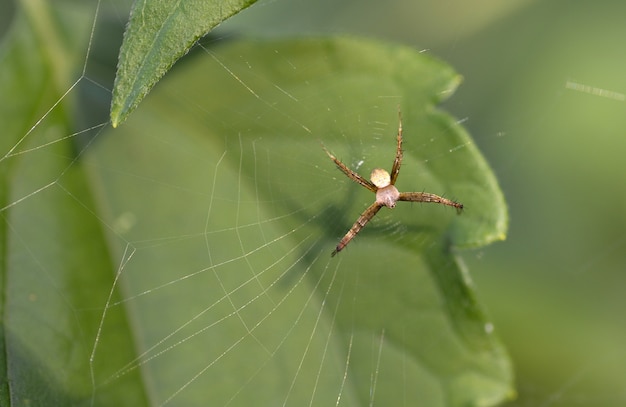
[{"x": 383, "y": 185}]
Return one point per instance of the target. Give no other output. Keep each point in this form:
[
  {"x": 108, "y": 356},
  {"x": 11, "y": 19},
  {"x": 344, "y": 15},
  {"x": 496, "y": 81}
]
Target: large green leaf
[
  {"x": 158, "y": 34},
  {"x": 238, "y": 208}
]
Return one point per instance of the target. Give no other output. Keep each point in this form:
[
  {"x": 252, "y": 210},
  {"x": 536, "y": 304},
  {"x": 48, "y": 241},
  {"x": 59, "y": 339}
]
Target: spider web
[{"x": 244, "y": 241}]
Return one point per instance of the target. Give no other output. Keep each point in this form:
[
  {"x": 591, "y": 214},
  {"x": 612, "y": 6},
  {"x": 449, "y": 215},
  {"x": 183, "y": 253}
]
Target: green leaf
[
  {"x": 55, "y": 273},
  {"x": 158, "y": 34},
  {"x": 237, "y": 203}
]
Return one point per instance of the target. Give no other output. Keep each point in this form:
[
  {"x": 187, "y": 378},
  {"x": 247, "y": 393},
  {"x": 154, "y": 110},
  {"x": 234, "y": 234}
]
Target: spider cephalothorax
[{"x": 383, "y": 185}]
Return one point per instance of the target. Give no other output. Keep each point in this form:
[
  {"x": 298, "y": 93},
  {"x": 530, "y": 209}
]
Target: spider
[{"x": 383, "y": 185}]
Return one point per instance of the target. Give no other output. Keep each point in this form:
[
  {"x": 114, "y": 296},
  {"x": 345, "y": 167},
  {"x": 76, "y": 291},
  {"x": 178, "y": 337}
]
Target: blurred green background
[{"x": 543, "y": 97}]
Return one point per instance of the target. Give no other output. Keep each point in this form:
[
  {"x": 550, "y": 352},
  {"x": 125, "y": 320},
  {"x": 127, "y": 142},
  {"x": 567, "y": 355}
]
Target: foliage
[{"x": 206, "y": 180}]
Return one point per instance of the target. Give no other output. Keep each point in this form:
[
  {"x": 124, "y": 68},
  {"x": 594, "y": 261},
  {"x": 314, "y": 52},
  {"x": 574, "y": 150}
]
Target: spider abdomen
[{"x": 388, "y": 196}]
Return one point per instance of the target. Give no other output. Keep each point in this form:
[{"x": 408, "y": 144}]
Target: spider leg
[
  {"x": 358, "y": 225},
  {"x": 351, "y": 174},
  {"x": 395, "y": 170},
  {"x": 426, "y": 197}
]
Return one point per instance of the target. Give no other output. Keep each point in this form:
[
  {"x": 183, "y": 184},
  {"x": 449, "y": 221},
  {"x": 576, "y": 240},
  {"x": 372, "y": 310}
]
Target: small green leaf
[{"x": 158, "y": 34}]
